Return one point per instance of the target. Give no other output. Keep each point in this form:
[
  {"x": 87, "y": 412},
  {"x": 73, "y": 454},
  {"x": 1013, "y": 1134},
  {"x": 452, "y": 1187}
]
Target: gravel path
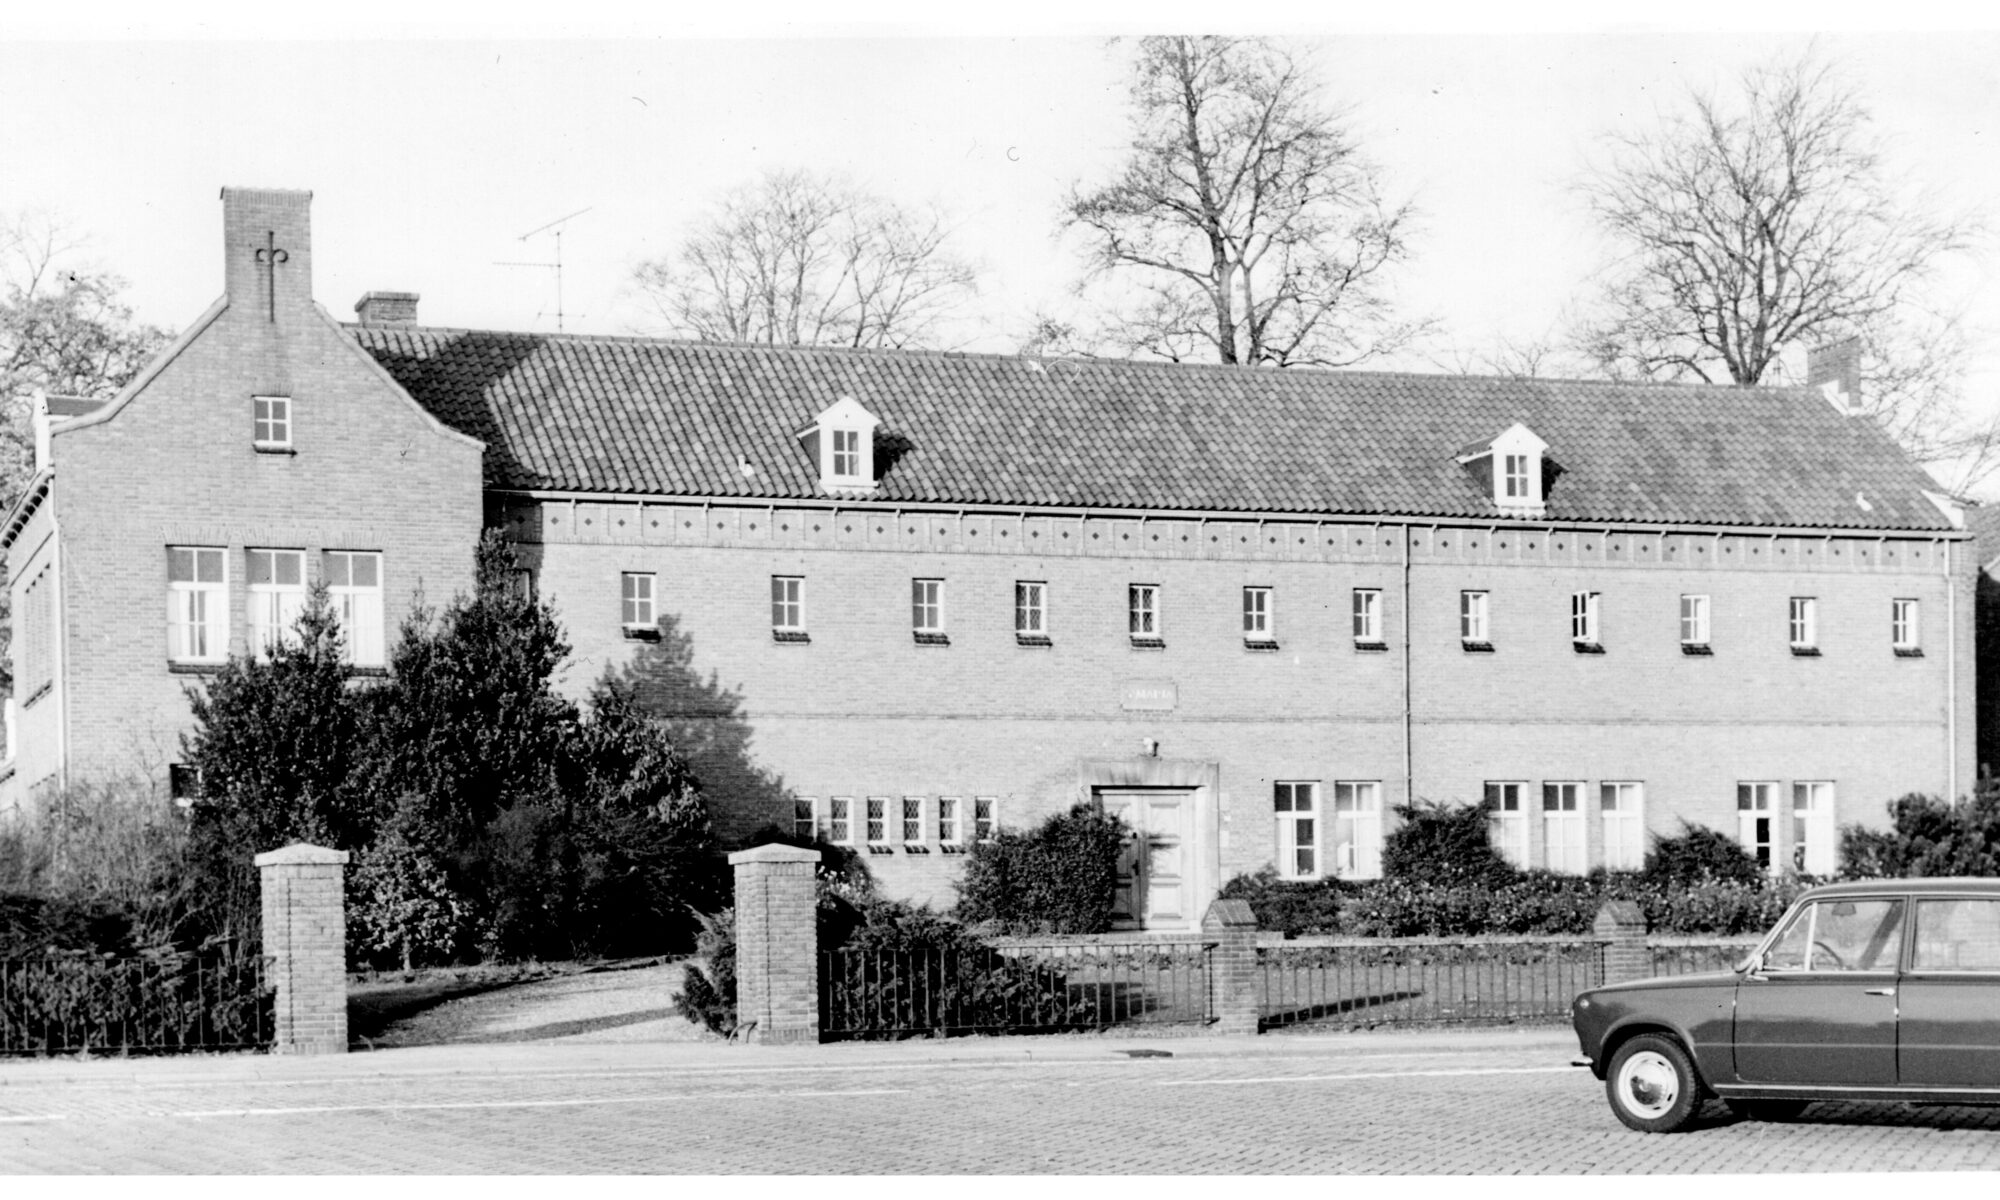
[{"x": 611, "y": 1004}]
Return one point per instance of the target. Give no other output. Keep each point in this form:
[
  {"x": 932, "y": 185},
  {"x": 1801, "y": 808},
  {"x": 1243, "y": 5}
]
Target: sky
[{"x": 430, "y": 157}]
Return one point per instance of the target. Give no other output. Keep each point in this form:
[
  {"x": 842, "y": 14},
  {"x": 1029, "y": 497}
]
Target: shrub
[
  {"x": 1445, "y": 844},
  {"x": 1928, "y": 837},
  {"x": 1061, "y": 877},
  {"x": 1289, "y": 906},
  {"x": 100, "y": 867},
  {"x": 1697, "y": 855},
  {"x": 709, "y": 999}
]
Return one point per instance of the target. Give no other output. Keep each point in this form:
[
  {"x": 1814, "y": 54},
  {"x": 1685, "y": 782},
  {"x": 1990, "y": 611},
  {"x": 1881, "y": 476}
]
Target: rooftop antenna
[{"x": 555, "y": 266}]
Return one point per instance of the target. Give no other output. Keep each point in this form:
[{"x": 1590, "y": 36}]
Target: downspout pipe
[{"x": 1409, "y": 760}]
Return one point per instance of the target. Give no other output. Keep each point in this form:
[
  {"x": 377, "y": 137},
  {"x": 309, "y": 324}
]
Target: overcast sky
[{"x": 429, "y": 158}]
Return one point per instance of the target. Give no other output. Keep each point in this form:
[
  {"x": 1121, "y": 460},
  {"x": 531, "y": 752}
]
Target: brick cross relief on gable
[{"x": 268, "y": 257}]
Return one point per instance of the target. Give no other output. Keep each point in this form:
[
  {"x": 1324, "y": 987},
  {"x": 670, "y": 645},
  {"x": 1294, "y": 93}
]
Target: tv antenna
[{"x": 555, "y": 266}]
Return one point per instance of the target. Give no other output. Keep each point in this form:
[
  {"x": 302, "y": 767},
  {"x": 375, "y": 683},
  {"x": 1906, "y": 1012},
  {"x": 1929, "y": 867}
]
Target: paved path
[{"x": 1469, "y": 1102}]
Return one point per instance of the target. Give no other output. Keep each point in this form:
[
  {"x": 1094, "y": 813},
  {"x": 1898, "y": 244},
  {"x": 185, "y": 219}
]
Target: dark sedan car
[{"x": 1888, "y": 990}]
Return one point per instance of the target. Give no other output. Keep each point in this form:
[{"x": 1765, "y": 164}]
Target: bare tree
[
  {"x": 1249, "y": 223},
  {"x": 797, "y": 259}
]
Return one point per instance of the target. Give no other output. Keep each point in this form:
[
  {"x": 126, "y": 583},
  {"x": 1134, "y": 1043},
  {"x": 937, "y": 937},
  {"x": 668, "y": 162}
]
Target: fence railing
[
  {"x": 1014, "y": 987},
  {"x": 153, "y": 1003},
  {"x": 1341, "y": 982},
  {"x": 1698, "y": 956}
]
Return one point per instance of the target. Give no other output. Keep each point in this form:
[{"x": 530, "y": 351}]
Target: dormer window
[
  {"x": 842, "y": 442},
  {"x": 1514, "y": 480},
  {"x": 1510, "y": 468}
]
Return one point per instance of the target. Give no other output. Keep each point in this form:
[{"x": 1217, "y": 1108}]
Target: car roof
[{"x": 1916, "y": 887}]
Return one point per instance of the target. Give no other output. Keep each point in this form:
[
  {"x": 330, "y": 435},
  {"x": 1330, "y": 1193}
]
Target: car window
[
  {"x": 1840, "y": 935},
  {"x": 1957, "y": 935}
]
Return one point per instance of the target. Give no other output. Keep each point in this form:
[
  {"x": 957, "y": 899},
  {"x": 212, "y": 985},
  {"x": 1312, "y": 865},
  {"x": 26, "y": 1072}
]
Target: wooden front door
[{"x": 1154, "y": 888}]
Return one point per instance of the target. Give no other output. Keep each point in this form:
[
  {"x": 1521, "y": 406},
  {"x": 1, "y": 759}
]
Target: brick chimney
[
  {"x": 267, "y": 252},
  {"x": 387, "y": 308},
  {"x": 1834, "y": 369}
]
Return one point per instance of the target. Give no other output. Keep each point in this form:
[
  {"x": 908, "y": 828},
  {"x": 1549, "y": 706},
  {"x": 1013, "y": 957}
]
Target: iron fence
[
  {"x": 154, "y": 1003},
  {"x": 1340, "y": 982},
  {"x": 1016, "y": 987},
  {"x": 1698, "y": 956}
]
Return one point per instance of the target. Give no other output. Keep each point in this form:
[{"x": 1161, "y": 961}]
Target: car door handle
[{"x": 1878, "y": 991}]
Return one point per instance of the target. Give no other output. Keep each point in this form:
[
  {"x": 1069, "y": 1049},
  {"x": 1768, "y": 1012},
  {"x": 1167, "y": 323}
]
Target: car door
[
  {"x": 1949, "y": 1032},
  {"x": 1821, "y": 1006}
]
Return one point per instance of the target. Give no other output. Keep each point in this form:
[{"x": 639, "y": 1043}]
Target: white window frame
[
  {"x": 985, "y": 818},
  {"x": 198, "y": 607},
  {"x": 1367, "y": 610},
  {"x": 1031, "y": 608},
  {"x": 840, "y": 820},
  {"x": 271, "y": 422},
  {"x": 788, "y": 604},
  {"x": 846, "y": 464},
  {"x": 1694, "y": 619},
  {"x": 636, "y": 593},
  {"x": 1803, "y": 622},
  {"x": 805, "y": 816},
  {"x": 913, "y": 820},
  {"x": 1142, "y": 611},
  {"x": 274, "y": 605},
  {"x": 1622, "y": 805},
  {"x": 1585, "y": 611},
  {"x": 359, "y": 606},
  {"x": 846, "y": 435},
  {"x": 1813, "y": 840},
  {"x": 949, "y": 831},
  {"x": 1355, "y": 829},
  {"x": 875, "y": 822},
  {"x": 927, "y": 606},
  {"x": 1258, "y": 615},
  {"x": 1906, "y": 623},
  {"x": 1295, "y": 804},
  {"x": 1474, "y": 605},
  {"x": 1757, "y": 800},
  {"x": 1515, "y": 479},
  {"x": 1565, "y": 836},
  {"x": 1507, "y": 806}
]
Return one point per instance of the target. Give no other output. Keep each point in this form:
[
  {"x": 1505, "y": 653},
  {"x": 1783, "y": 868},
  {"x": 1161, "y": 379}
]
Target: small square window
[
  {"x": 847, "y": 453},
  {"x": 271, "y": 421}
]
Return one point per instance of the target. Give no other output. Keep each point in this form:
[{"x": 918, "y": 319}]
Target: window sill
[
  {"x": 1038, "y": 640},
  {"x": 879, "y": 848},
  {"x": 195, "y": 668},
  {"x": 1149, "y": 643},
  {"x": 367, "y": 672},
  {"x": 1697, "y": 650},
  {"x": 1371, "y": 647},
  {"x": 1909, "y": 651},
  {"x": 640, "y": 633},
  {"x": 915, "y": 848},
  {"x": 1805, "y": 651},
  {"x": 1476, "y": 647},
  {"x": 931, "y": 639},
  {"x": 274, "y": 448},
  {"x": 951, "y": 848},
  {"x": 1587, "y": 647},
  {"x": 791, "y": 637},
  {"x": 1260, "y": 645}
]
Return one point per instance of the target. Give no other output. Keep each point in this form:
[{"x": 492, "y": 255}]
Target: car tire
[
  {"x": 1767, "y": 1110},
  {"x": 1652, "y": 1085}
]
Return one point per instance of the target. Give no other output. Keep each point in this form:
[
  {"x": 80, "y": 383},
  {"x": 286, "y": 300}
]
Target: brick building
[{"x": 902, "y": 598}]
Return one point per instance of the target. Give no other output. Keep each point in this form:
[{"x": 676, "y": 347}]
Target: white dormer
[
  {"x": 842, "y": 441},
  {"x": 1512, "y": 466}
]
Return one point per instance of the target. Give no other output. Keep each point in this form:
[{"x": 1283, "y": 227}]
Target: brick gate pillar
[
  {"x": 1232, "y": 974},
  {"x": 1622, "y": 927},
  {"x": 777, "y": 944},
  {"x": 305, "y": 937}
]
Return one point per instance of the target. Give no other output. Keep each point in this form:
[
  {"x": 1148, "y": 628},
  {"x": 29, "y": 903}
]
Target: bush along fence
[{"x": 291, "y": 998}]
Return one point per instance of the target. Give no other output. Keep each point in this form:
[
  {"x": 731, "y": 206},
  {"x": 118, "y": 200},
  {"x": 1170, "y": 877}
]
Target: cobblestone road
[{"x": 1486, "y": 1103}]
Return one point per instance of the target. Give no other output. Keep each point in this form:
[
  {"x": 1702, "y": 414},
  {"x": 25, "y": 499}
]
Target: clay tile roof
[{"x": 658, "y": 417}]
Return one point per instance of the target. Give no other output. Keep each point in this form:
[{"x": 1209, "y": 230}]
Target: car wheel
[
  {"x": 1652, "y": 1085},
  {"x": 1767, "y": 1110}
]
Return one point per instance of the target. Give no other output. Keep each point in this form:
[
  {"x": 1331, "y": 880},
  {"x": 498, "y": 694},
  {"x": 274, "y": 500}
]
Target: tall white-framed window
[
  {"x": 1472, "y": 626},
  {"x": 1357, "y": 829},
  {"x": 1755, "y": 801},
  {"x": 1297, "y": 807},
  {"x": 1257, "y": 615},
  {"x": 271, "y": 422},
  {"x": 1509, "y": 814},
  {"x": 878, "y": 820},
  {"x": 985, "y": 817},
  {"x": 1367, "y": 616},
  {"x": 277, "y": 595},
  {"x": 1031, "y": 609},
  {"x": 1694, "y": 620},
  {"x": 1564, "y": 838},
  {"x": 805, "y": 822},
  {"x": 1804, "y": 623},
  {"x": 1514, "y": 478},
  {"x": 840, "y": 820},
  {"x": 788, "y": 610},
  {"x": 948, "y": 832},
  {"x": 846, "y": 453},
  {"x": 354, "y": 584},
  {"x": 927, "y": 609},
  {"x": 1812, "y": 827},
  {"x": 636, "y": 600},
  {"x": 1584, "y": 609},
  {"x": 1142, "y": 608},
  {"x": 913, "y": 820},
  {"x": 1624, "y": 810},
  {"x": 1905, "y": 624},
  {"x": 197, "y": 604}
]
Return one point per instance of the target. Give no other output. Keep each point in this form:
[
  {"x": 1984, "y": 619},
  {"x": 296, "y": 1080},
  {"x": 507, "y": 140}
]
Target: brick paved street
[{"x": 1472, "y": 1102}]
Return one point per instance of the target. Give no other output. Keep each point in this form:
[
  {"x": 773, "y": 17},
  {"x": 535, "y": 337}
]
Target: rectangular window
[
  {"x": 878, "y": 820},
  {"x": 913, "y": 819},
  {"x": 1624, "y": 806},
  {"x": 847, "y": 453},
  {"x": 636, "y": 600},
  {"x": 1812, "y": 827},
  {"x": 1297, "y": 808},
  {"x": 1563, "y": 836},
  {"x": 277, "y": 594},
  {"x": 1257, "y": 615},
  {"x": 926, "y": 606},
  {"x": 1957, "y": 935},
  {"x": 1510, "y": 821},
  {"x": 788, "y": 614},
  {"x": 1754, "y": 802},
  {"x": 947, "y": 825},
  {"x": 1583, "y": 610},
  {"x": 1367, "y": 616},
  {"x": 1472, "y": 628},
  {"x": 1142, "y": 606},
  {"x": 197, "y": 604},
  {"x": 1031, "y": 608},
  {"x": 804, "y": 823},
  {"x": 1357, "y": 830},
  {"x": 1694, "y": 620},
  {"x": 271, "y": 421},
  {"x": 984, "y": 810},
  {"x": 1805, "y": 623},
  {"x": 1904, "y": 630},
  {"x": 354, "y": 584},
  {"x": 840, "y": 820},
  {"x": 1514, "y": 475}
]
